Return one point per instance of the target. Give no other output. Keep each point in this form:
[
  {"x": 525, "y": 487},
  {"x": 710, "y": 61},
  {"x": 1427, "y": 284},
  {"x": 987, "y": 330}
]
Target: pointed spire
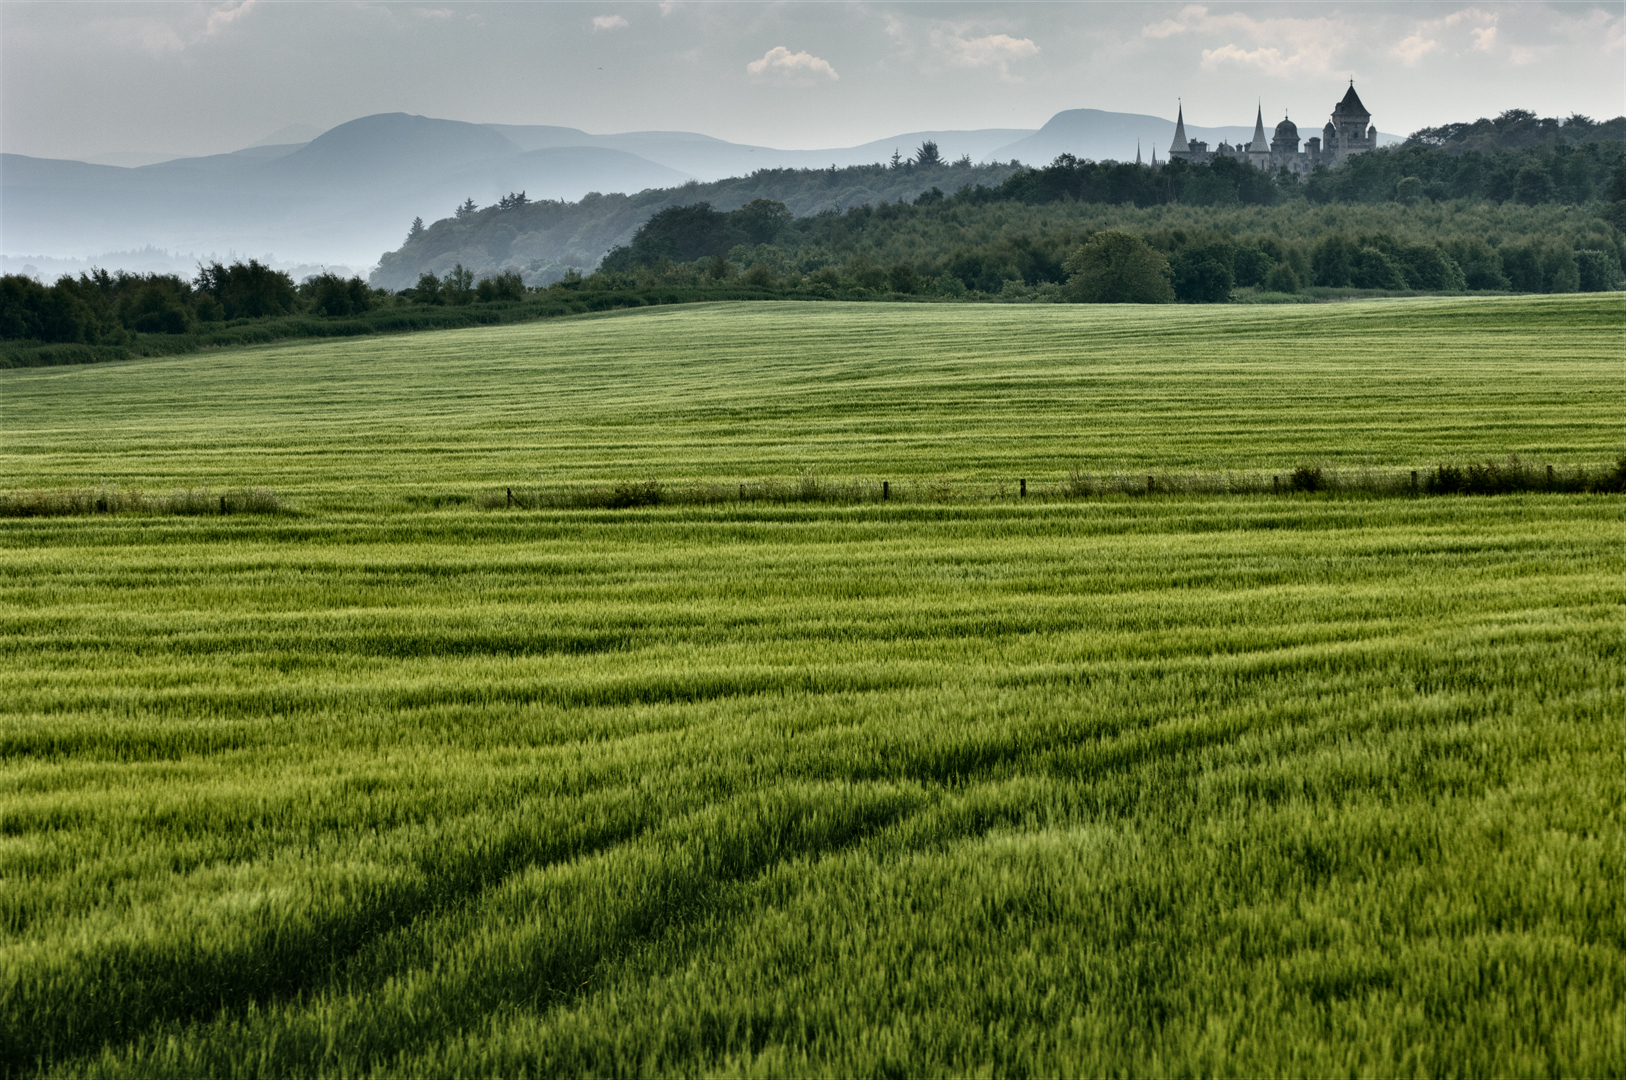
[
  {"x": 1259, "y": 145},
  {"x": 1180, "y": 146},
  {"x": 1137, "y": 151},
  {"x": 1154, "y": 155}
]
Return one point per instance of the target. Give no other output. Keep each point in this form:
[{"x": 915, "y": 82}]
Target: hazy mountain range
[{"x": 349, "y": 193}]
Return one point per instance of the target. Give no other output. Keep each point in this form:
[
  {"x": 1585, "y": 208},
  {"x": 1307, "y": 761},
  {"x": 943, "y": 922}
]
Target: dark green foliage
[
  {"x": 1519, "y": 129},
  {"x": 248, "y": 290},
  {"x": 507, "y": 286},
  {"x": 1372, "y": 269},
  {"x": 1282, "y": 278},
  {"x": 1251, "y": 265},
  {"x": 928, "y": 154},
  {"x": 1597, "y": 271},
  {"x": 1118, "y": 268},
  {"x": 682, "y": 234},
  {"x": 329, "y": 294},
  {"x": 1480, "y": 264},
  {"x": 1306, "y": 478},
  {"x": 1203, "y": 274}
]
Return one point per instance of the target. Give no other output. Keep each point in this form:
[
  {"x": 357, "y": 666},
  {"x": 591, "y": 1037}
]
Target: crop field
[{"x": 400, "y": 780}]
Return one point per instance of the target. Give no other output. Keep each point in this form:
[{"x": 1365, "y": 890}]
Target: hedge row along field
[{"x": 1186, "y": 784}]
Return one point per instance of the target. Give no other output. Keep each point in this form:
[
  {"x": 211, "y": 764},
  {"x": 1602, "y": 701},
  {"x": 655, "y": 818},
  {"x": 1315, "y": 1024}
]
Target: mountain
[
  {"x": 706, "y": 158},
  {"x": 349, "y": 193}
]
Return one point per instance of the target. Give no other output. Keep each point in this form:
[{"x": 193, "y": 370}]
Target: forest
[{"x": 1449, "y": 212}]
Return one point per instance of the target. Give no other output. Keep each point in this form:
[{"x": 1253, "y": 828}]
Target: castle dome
[{"x": 1287, "y": 131}]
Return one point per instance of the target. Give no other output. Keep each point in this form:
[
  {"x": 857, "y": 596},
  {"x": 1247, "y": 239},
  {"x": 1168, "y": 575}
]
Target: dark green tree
[
  {"x": 1204, "y": 273},
  {"x": 1118, "y": 268},
  {"x": 928, "y": 154}
]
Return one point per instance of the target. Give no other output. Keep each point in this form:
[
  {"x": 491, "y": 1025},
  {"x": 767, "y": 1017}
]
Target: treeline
[
  {"x": 542, "y": 240},
  {"x": 113, "y": 309},
  {"x": 1515, "y": 159},
  {"x": 967, "y": 247}
]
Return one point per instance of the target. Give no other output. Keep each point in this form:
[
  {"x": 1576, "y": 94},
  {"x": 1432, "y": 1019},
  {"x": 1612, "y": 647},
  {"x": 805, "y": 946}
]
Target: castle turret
[
  {"x": 1350, "y": 124},
  {"x": 1180, "y": 148},
  {"x": 1286, "y": 139},
  {"x": 1258, "y": 145}
]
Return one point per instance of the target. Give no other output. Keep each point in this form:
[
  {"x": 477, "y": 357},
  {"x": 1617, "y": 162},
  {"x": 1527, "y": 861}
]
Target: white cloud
[
  {"x": 801, "y": 68},
  {"x": 1412, "y": 49},
  {"x": 1484, "y": 38},
  {"x": 1307, "y": 59},
  {"x": 1285, "y": 47},
  {"x": 608, "y": 22},
  {"x": 994, "y": 50},
  {"x": 434, "y": 13},
  {"x": 221, "y": 18}
]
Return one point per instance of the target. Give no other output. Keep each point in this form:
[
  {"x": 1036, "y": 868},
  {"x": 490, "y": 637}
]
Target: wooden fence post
[
  {"x": 223, "y": 504},
  {"x": 1276, "y": 484},
  {"x": 886, "y": 490},
  {"x": 1024, "y": 484},
  {"x": 510, "y": 496},
  {"x": 1148, "y": 485}
]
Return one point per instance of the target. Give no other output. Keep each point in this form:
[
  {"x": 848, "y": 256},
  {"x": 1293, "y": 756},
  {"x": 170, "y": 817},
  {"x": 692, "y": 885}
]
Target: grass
[{"x": 1226, "y": 784}]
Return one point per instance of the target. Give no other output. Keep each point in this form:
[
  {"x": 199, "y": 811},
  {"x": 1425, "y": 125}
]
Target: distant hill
[{"x": 350, "y": 193}]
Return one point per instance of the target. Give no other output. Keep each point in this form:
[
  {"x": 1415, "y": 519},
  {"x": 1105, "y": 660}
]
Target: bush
[
  {"x": 1282, "y": 279},
  {"x": 1307, "y": 478},
  {"x": 1597, "y": 271},
  {"x": 1203, "y": 274},
  {"x": 1118, "y": 268}
]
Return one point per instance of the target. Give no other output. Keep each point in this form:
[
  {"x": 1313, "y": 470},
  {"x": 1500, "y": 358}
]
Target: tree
[
  {"x": 963, "y": 161},
  {"x": 1118, "y": 268},
  {"x": 512, "y": 201},
  {"x": 1204, "y": 273},
  {"x": 927, "y": 154},
  {"x": 762, "y": 220},
  {"x": 467, "y": 208},
  {"x": 458, "y": 287},
  {"x": 250, "y": 291},
  {"x": 416, "y": 231},
  {"x": 897, "y": 158},
  {"x": 428, "y": 289}
]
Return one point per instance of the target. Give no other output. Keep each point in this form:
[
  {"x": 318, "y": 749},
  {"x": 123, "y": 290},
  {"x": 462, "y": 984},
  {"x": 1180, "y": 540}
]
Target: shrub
[
  {"x": 1118, "y": 268},
  {"x": 1282, "y": 279},
  {"x": 1307, "y": 478}
]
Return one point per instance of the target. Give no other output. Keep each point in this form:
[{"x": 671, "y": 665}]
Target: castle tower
[
  {"x": 1351, "y": 127},
  {"x": 1258, "y": 149},
  {"x": 1180, "y": 148},
  {"x": 1137, "y": 151}
]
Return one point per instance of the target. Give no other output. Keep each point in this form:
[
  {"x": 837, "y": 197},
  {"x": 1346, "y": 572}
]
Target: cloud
[
  {"x": 1284, "y": 46},
  {"x": 1412, "y": 49},
  {"x": 800, "y": 69},
  {"x": 608, "y": 22},
  {"x": 1316, "y": 59},
  {"x": 994, "y": 50},
  {"x": 434, "y": 13},
  {"x": 1425, "y": 37},
  {"x": 221, "y": 18}
]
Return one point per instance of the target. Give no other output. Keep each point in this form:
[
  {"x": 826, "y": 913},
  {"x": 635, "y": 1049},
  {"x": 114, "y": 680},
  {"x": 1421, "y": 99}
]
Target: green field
[{"x": 393, "y": 782}]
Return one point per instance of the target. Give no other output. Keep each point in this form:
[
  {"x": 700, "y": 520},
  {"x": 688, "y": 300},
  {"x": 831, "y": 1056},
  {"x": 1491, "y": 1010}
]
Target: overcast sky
[{"x": 83, "y": 79}]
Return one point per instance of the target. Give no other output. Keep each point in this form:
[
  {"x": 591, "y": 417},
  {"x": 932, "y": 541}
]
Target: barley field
[{"x": 399, "y": 780}]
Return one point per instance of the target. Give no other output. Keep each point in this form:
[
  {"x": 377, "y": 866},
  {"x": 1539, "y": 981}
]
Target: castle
[{"x": 1350, "y": 131}]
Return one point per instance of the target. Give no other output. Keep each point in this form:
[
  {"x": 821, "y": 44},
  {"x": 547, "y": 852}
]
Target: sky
[{"x": 79, "y": 80}]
